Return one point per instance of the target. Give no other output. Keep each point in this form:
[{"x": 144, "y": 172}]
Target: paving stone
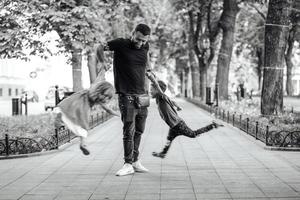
[
  {"x": 220, "y": 164},
  {"x": 203, "y": 196},
  {"x": 65, "y": 196},
  {"x": 37, "y": 197}
]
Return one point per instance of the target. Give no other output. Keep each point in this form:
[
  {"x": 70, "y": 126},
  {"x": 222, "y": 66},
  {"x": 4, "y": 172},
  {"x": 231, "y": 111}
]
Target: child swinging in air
[
  {"x": 168, "y": 113},
  {"x": 74, "y": 111}
]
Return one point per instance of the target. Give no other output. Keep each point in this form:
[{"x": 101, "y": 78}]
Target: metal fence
[
  {"x": 282, "y": 138},
  {"x": 19, "y": 145}
]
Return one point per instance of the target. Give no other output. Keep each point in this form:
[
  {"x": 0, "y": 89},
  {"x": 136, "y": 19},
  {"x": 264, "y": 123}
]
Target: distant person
[
  {"x": 168, "y": 113},
  {"x": 130, "y": 61},
  {"x": 74, "y": 110}
]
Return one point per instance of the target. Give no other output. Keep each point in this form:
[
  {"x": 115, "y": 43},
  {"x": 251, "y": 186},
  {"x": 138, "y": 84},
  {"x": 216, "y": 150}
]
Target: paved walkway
[{"x": 222, "y": 164}]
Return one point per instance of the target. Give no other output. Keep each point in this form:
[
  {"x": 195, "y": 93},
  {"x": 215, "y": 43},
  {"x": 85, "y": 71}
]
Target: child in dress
[
  {"x": 168, "y": 113},
  {"x": 74, "y": 110}
]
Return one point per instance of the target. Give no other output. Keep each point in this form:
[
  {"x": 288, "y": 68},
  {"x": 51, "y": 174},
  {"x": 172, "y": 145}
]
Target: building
[{"x": 11, "y": 83}]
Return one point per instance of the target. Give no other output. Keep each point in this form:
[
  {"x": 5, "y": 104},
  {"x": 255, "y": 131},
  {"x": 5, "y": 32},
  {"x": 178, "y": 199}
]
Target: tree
[
  {"x": 276, "y": 34},
  {"x": 79, "y": 24},
  {"x": 200, "y": 17},
  {"x": 227, "y": 24},
  {"x": 15, "y": 36},
  {"x": 294, "y": 31},
  {"x": 250, "y": 35}
]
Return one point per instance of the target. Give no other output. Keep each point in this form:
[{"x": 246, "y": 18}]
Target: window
[
  {"x": 1, "y": 91},
  {"x": 9, "y": 91},
  {"x": 17, "y": 91}
]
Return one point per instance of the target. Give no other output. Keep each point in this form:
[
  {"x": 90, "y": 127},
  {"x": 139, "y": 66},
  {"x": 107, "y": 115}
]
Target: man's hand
[{"x": 150, "y": 76}]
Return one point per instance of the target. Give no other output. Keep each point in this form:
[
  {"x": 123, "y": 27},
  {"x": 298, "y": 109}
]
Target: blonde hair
[{"x": 99, "y": 88}]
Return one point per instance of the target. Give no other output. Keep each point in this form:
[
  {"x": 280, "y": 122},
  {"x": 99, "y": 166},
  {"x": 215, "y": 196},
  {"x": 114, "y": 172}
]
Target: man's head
[
  {"x": 140, "y": 35},
  {"x": 153, "y": 90}
]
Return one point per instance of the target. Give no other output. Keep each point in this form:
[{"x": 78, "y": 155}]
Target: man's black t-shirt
[{"x": 129, "y": 66}]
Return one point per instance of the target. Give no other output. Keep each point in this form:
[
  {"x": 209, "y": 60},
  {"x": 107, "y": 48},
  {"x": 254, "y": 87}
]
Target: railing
[
  {"x": 17, "y": 145},
  {"x": 259, "y": 131}
]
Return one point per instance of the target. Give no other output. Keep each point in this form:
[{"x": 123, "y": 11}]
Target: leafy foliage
[
  {"x": 79, "y": 24},
  {"x": 15, "y": 35},
  {"x": 250, "y": 108},
  {"x": 27, "y": 126}
]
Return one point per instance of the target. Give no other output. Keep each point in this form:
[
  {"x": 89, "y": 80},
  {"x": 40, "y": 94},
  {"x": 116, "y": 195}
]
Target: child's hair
[
  {"x": 99, "y": 88},
  {"x": 162, "y": 85}
]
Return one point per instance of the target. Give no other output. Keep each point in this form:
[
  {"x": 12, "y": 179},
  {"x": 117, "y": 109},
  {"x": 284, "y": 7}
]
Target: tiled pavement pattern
[{"x": 222, "y": 164}]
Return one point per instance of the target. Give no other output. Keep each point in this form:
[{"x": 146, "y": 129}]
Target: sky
[{"x": 54, "y": 71}]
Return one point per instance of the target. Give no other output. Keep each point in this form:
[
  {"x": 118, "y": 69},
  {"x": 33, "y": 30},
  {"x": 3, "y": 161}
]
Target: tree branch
[
  {"x": 191, "y": 19},
  {"x": 258, "y": 11},
  {"x": 208, "y": 15},
  {"x": 198, "y": 28},
  {"x": 213, "y": 31}
]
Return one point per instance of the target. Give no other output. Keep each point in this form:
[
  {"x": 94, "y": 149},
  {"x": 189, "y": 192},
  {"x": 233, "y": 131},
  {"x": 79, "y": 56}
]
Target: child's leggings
[{"x": 182, "y": 129}]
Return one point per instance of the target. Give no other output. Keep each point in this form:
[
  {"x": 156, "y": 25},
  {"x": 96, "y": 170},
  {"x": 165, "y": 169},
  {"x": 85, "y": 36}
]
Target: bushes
[
  {"x": 35, "y": 125},
  {"x": 27, "y": 126},
  {"x": 251, "y": 108}
]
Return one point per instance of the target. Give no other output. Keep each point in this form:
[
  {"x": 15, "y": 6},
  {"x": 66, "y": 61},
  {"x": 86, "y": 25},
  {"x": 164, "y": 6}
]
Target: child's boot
[
  {"x": 83, "y": 146},
  {"x": 160, "y": 155},
  {"x": 216, "y": 125}
]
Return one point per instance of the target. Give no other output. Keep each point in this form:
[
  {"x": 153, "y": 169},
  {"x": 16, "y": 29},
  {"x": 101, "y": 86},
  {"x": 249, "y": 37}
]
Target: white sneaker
[
  {"x": 138, "y": 167},
  {"x": 125, "y": 170}
]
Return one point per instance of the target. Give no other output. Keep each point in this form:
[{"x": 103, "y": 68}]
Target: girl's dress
[{"x": 75, "y": 112}]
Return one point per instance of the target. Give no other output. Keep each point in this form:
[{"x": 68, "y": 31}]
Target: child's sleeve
[
  {"x": 176, "y": 105},
  {"x": 110, "y": 111},
  {"x": 152, "y": 78}
]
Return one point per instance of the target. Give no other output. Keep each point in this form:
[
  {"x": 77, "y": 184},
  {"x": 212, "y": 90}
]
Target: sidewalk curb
[{"x": 282, "y": 148}]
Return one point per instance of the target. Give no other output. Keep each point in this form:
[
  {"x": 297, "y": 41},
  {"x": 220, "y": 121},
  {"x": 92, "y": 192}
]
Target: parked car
[
  {"x": 50, "y": 97},
  {"x": 31, "y": 96}
]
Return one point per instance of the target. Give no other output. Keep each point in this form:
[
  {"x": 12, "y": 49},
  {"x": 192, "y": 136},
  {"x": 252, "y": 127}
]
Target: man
[{"x": 129, "y": 67}]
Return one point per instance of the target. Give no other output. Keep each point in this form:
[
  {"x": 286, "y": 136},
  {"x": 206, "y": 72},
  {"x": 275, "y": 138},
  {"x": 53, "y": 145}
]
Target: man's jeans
[{"x": 134, "y": 120}]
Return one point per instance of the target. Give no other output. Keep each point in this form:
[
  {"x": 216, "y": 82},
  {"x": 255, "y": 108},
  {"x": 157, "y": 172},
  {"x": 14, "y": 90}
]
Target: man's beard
[{"x": 134, "y": 44}]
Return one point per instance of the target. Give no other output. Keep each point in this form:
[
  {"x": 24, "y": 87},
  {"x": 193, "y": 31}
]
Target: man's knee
[
  {"x": 128, "y": 131},
  {"x": 138, "y": 133}
]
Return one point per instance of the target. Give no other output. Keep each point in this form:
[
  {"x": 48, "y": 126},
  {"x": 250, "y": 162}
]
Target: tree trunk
[
  {"x": 76, "y": 69},
  {"x": 180, "y": 71},
  {"x": 182, "y": 82},
  {"x": 289, "y": 63},
  {"x": 203, "y": 73},
  {"x": 195, "y": 81},
  {"x": 260, "y": 64},
  {"x": 194, "y": 70},
  {"x": 276, "y": 33},
  {"x": 91, "y": 63},
  {"x": 186, "y": 80},
  {"x": 227, "y": 24}
]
